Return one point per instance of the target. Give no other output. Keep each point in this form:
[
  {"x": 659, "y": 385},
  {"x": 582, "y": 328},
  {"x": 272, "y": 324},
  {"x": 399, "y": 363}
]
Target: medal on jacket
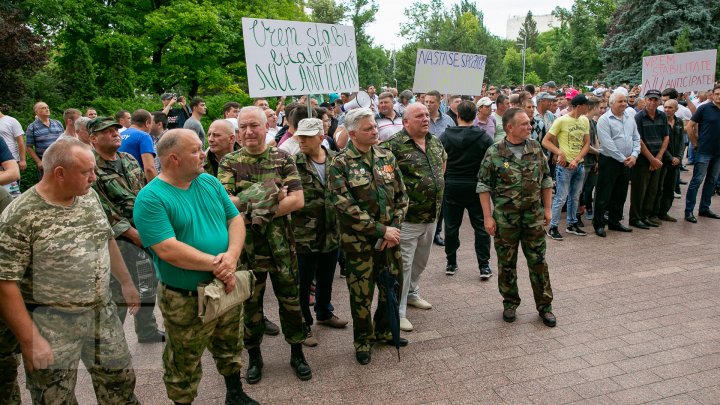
[{"x": 506, "y": 165}]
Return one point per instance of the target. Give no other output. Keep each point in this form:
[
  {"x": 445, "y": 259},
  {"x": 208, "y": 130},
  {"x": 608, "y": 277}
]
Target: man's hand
[
  {"x": 39, "y": 166},
  {"x": 134, "y": 236},
  {"x": 225, "y": 266},
  {"x": 392, "y": 236},
  {"x": 675, "y": 161},
  {"x": 573, "y": 164},
  {"x": 655, "y": 164},
  {"x": 37, "y": 354},
  {"x": 490, "y": 225},
  {"x": 132, "y": 298},
  {"x": 282, "y": 193},
  {"x": 630, "y": 161},
  {"x": 230, "y": 284},
  {"x": 22, "y": 164},
  {"x": 548, "y": 215},
  {"x": 561, "y": 160}
]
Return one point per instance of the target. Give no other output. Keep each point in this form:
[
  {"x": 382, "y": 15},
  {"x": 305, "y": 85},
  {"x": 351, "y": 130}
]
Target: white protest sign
[
  {"x": 689, "y": 71},
  {"x": 449, "y": 72},
  {"x": 293, "y": 58}
]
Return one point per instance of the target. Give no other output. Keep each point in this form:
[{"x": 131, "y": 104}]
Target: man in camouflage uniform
[
  {"x": 516, "y": 176},
  {"x": 119, "y": 179},
  {"x": 421, "y": 159},
  {"x": 56, "y": 254},
  {"x": 369, "y": 195},
  {"x": 317, "y": 237},
  {"x": 195, "y": 234},
  {"x": 221, "y": 141},
  {"x": 271, "y": 249}
]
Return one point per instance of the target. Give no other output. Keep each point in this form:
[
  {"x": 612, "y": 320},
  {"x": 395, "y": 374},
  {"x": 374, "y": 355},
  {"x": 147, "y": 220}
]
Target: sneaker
[
  {"x": 310, "y": 340},
  {"x": 573, "y": 229},
  {"x": 589, "y": 214},
  {"x": 405, "y": 325},
  {"x": 451, "y": 269},
  {"x": 333, "y": 322},
  {"x": 579, "y": 222},
  {"x": 418, "y": 302},
  {"x": 485, "y": 272},
  {"x": 677, "y": 195},
  {"x": 553, "y": 233}
]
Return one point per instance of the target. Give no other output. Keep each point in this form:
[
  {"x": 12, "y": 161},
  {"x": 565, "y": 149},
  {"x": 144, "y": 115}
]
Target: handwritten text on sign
[
  {"x": 291, "y": 58},
  {"x": 449, "y": 72},
  {"x": 689, "y": 71}
]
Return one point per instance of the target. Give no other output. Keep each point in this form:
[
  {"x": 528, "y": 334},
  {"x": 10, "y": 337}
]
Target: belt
[{"x": 187, "y": 293}]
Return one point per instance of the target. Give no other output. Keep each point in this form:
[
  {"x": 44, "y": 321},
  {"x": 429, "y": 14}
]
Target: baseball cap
[
  {"x": 545, "y": 96},
  {"x": 579, "y": 99},
  {"x": 333, "y": 97},
  {"x": 550, "y": 84},
  {"x": 484, "y": 101},
  {"x": 653, "y": 94},
  {"x": 310, "y": 127},
  {"x": 101, "y": 123},
  {"x": 570, "y": 94}
]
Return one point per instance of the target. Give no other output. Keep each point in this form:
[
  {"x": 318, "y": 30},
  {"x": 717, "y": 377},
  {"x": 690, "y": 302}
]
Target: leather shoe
[
  {"x": 363, "y": 357},
  {"x": 438, "y": 240},
  {"x": 654, "y": 222},
  {"x": 270, "y": 328},
  {"x": 548, "y": 319},
  {"x": 668, "y": 218},
  {"x": 156, "y": 337},
  {"x": 709, "y": 214},
  {"x": 691, "y": 218},
  {"x": 509, "y": 315},
  {"x": 617, "y": 226},
  {"x": 299, "y": 364},
  {"x": 600, "y": 231},
  {"x": 638, "y": 223},
  {"x": 255, "y": 366},
  {"x": 402, "y": 343}
]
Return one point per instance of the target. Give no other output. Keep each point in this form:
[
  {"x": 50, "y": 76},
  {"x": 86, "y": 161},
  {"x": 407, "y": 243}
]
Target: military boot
[
  {"x": 255, "y": 366},
  {"x": 298, "y": 362},
  {"x": 235, "y": 394}
]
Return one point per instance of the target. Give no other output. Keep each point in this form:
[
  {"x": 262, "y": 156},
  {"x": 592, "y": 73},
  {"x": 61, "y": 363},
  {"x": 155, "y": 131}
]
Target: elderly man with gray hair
[{"x": 620, "y": 147}]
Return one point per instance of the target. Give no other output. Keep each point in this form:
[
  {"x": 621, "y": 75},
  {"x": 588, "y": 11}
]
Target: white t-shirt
[
  {"x": 683, "y": 112},
  {"x": 270, "y": 136},
  {"x": 10, "y": 129},
  {"x": 290, "y": 146}
]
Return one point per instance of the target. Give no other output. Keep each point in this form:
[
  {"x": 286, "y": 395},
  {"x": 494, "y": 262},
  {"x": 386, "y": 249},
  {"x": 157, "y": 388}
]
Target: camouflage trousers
[
  {"x": 362, "y": 269},
  {"x": 96, "y": 337},
  {"x": 527, "y": 230},
  {"x": 284, "y": 280},
  {"x": 9, "y": 350},
  {"x": 187, "y": 337}
]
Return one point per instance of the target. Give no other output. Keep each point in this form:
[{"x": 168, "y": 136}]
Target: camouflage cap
[
  {"x": 101, "y": 123},
  {"x": 310, "y": 127}
]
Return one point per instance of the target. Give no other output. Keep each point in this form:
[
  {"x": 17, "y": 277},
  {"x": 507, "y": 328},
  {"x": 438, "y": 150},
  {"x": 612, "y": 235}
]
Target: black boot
[
  {"x": 255, "y": 366},
  {"x": 298, "y": 362},
  {"x": 235, "y": 394}
]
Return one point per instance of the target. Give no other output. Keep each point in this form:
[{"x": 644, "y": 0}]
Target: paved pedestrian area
[{"x": 638, "y": 322}]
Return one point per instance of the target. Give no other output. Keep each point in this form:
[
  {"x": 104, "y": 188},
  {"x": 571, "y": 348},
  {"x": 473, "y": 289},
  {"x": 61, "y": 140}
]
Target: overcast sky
[{"x": 386, "y": 28}]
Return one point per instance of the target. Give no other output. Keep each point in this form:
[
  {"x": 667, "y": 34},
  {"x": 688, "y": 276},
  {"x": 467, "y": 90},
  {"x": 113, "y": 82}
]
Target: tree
[
  {"x": 577, "y": 53},
  {"x": 528, "y": 34},
  {"x": 327, "y": 11},
  {"x": 373, "y": 61},
  {"x": 22, "y": 55},
  {"x": 655, "y": 31},
  {"x": 682, "y": 42}
]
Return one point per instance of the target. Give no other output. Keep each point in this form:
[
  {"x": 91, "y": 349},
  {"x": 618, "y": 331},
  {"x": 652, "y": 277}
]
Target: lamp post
[
  {"x": 572, "y": 81},
  {"x": 524, "y": 47}
]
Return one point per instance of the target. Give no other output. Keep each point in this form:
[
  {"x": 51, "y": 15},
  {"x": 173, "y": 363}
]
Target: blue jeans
[
  {"x": 707, "y": 167},
  {"x": 569, "y": 183}
]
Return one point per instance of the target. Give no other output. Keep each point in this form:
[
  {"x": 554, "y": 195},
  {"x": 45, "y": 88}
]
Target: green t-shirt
[
  {"x": 570, "y": 133},
  {"x": 197, "y": 216}
]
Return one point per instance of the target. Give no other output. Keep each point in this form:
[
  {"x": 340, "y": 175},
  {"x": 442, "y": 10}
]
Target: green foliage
[
  {"x": 327, "y": 11},
  {"x": 655, "y": 31},
  {"x": 532, "y": 78},
  {"x": 682, "y": 42},
  {"x": 528, "y": 34}
]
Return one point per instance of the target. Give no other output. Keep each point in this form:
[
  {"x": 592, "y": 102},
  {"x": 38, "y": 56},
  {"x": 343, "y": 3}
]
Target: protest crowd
[{"x": 138, "y": 209}]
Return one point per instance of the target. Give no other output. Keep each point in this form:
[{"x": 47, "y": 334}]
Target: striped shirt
[{"x": 40, "y": 136}]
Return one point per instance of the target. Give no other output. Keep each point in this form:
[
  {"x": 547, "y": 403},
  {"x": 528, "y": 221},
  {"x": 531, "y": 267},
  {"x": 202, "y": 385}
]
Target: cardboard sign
[
  {"x": 294, "y": 58},
  {"x": 449, "y": 72},
  {"x": 688, "y": 71}
]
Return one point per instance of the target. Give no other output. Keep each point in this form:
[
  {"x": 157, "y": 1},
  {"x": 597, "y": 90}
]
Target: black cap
[
  {"x": 653, "y": 94},
  {"x": 580, "y": 99}
]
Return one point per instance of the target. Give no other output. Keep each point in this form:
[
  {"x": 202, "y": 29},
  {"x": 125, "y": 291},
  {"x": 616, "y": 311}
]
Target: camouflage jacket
[
  {"x": 238, "y": 171},
  {"x": 315, "y": 225},
  {"x": 368, "y": 194},
  {"x": 118, "y": 189},
  {"x": 514, "y": 184},
  {"x": 59, "y": 254},
  {"x": 422, "y": 173}
]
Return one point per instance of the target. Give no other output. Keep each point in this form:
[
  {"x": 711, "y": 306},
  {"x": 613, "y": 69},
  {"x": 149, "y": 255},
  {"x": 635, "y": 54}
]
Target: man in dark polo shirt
[
  {"x": 654, "y": 137},
  {"x": 707, "y": 158}
]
